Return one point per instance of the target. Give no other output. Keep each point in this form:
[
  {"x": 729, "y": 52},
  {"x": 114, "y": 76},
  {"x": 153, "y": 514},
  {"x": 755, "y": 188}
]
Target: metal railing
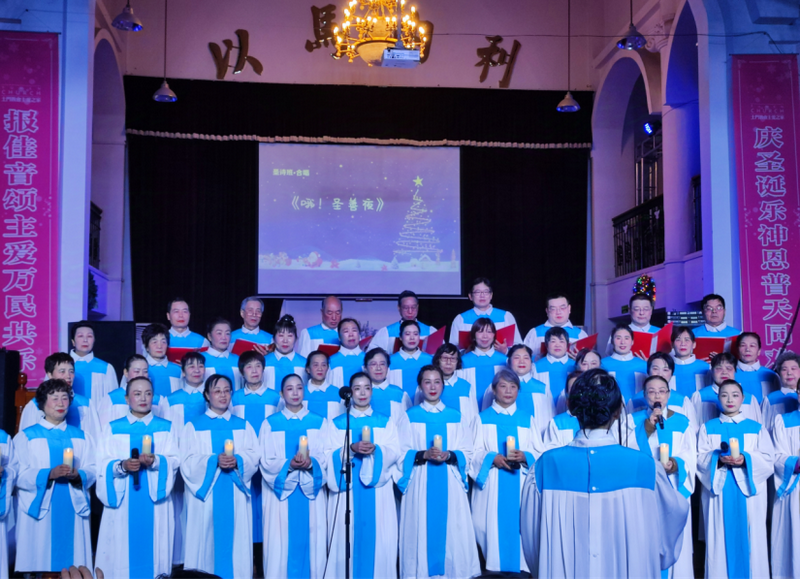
[{"x": 639, "y": 237}]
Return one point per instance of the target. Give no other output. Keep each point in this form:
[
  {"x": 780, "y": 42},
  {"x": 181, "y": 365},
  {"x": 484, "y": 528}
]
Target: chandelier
[{"x": 372, "y": 26}]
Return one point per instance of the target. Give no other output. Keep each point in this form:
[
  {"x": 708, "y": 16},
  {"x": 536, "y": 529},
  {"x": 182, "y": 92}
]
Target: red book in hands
[
  {"x": 364, "y": 342},
  {"x": 505, "y": 334},
  {"x": 176, "y": 354},
  {"x": 242, "y": 346},
  {"x": 329, "y": 349},
  {"x": 433, "y": 341},
  {"x": 646, "y": 344},
  {"x": 706, "y": 345},
  {"x": 589, "y": 342}
]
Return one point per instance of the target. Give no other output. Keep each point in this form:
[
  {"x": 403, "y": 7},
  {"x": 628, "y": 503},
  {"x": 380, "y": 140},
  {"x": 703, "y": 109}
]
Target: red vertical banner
[
  {"x": 766, "y": 109},
  {"x": 30, "y": 215}
]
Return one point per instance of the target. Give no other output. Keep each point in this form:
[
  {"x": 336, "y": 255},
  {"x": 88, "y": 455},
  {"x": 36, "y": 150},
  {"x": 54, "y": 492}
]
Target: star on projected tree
[{"x": 417, "y": 238}]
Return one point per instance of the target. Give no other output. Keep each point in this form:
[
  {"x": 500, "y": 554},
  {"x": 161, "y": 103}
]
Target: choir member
[
  {"x": 293, "y": 467},
  {"x": 481, "y": 297},
  {"x": 785, "y": 544},
  {"x": 458, "y": 392},
  {"x": 586, "y": 359},
  {"x": 284, "y": 360},
  {"x": 734, "y": 478},
  {"x": 628, "y": 370},
  {"x": 324, "y": 333},
  {"x": 662, "y": 365},
  {"x": 115, "y": 404},
  {"x": 55, "y": 471},
  {"x": 757, "y": 380},
  {"x": 436, "y": 533},
  {"x": 713, "y": 307},
  {"x": 558, "y": 310},
  {"x": 94, "y": 378},
  {"x": 784, "y": 400},
  {"x": 251, "y": 311},
  {"x": 619, "y": 518},
  {"x": 406, "y": 362},
  {"x": 553, "y": 368},
  {"x": 640, "y": 306},
  {"x": 178, "y": 315},
  {"x": 562, "y": 428},
  {"x": 163, "y": 373},
  {"x": 657, "y": 425},
  {"x": 81, "y": 414},
  {"x": 388, "y": 336},
  {"x": 135, "y": 366},
  {"x": 321, "y": 397},
  {"x": 507, "y": 442},
  {"x": 219, "y": 455},
  {"x": 481, "y": 361},
  {"x": 350, "y": 358},
  {"x": 8, "y": 479},
  {"x": 691, "y": 374},
  {"x": 706, "y": 400},
  {"x": 219, "y": 360},
  {"x": 138, "y": 524},
  {"x": 387, "y": 399},
  {"x": 374, "y": 451}
]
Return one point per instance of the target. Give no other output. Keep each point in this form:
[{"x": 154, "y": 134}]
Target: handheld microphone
[
  {"x": 345, "y": 393},
  {"x": 660, "y": 417},
  {"x": 723, "y": 447},
  {"x": 135, "y": 455}
]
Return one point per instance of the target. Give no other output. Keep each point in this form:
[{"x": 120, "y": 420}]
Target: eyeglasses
[
  {"x": 482, "y": 293},
  {"x": 562, "y": 308},
  {"x": 409, "y": 308},
  {"x": 714, "y": 309},
  {"x": 448, "y": 358},
  {"x": 641, "y": 310},
  {"x": 376, "y": 365}
]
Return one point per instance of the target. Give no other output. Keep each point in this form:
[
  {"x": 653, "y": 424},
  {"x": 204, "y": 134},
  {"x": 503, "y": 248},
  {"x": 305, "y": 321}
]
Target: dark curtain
[{"x": 194, "y": 203}]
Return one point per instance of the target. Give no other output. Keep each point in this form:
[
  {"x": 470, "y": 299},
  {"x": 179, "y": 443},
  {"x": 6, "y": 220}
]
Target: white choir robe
[
  {"x": 81, "y": 414},
  {"x": 222, "y": 363},
  {"x": 780, "y": 402},
  {"x": 436, "y": 533},
  {"x": 94, "y": 378},
  {"x": 677, "y": 403},
  {"x": 387, "y": 336},
  {"x": 707, "y": 406},
  {"x": 458, "y": 394},
  {"x": 535, "y": 337},
  {"x": 583, "y": 510},
  {"x": 479, "y": 369},
  {"x": 735, "y": 499},
  {"x": 391, "y": 400},
  {"x": 679, "y": 434},
  {"x": 344, "y": 364},
  {"x": 138, "y": 524},
  {"x": 497, "y": 492},
  {"x": 114, "y": 406},
  {"x": 295, "y": 521},
  {"x": 53, "y": 518},
  {"x": 373, "y": 532},
  {"x": 219, "y": 528},
  {"x": 277, "y": 366},
  {"x": 323, "y": 400},
  {"x": 463, "y": 322},
  {"x": 786, "y": 507},
  {"x": 8, "y": 459},
  {"x": 534, "y": 398},
  {"x": 311, "y": 338},
  {"x": 561, "y": 430}
]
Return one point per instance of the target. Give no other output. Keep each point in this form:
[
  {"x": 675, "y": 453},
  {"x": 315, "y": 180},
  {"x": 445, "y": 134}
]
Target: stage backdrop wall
[{"x": 194, "y": 202}]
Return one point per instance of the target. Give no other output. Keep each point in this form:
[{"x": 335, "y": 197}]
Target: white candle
[
  {"x": 228, "y": 447},
  {"x": 511, "y": 444},
  {"x": 304, "y": 446},
  {"x": 734, "y": 446},
  {"x": 365, "y": 434},
  {"x": 68, "y": 456},
  {"x": 147, "y": 445},
  {"x": 437, "y": 442},
  {"x": 664, "y": 453}
]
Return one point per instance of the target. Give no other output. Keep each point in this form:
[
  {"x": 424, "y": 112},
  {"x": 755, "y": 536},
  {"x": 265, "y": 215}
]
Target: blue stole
[
  {"x": 82, "y": 384},
  {"x": 160, "y": 375},
  {"x": 452, "y": 394},
  {"x": 382, "y": 399},
  {"x": 685, "y": 381},
  {"x": 262, "y": 337},
  {"x": 484, "y": 370},
  {"x": 566, "y": 422},
  {"x": 394, "y": 330},
  {"x": 470, "y": 316},
  {"x": 409, "y": 369},
  {"x": 350, "y": 365},
  {"x": 327, "y": 336},
  {"x": 192, "y": 340},
  {"x": 751, "y": 381},
  {"x": 526, "y": 391},
  {"x": 557, "y": 372},
  {"x": 573, "y": 333},
  {"x": 676, "y": 422},
  {"x": 318, "y": 400},
  {"x": 625, "y": 373},
  {"x": 223, "y": 366},
  {"x": 283, "y": 366}
]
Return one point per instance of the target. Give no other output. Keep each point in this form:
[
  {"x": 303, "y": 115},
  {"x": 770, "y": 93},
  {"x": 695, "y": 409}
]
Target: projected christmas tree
[{"x": 417, "y": 238}]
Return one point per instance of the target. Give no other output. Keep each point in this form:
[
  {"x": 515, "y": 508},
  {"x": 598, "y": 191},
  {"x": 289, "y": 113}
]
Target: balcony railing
[{"x": 639, "y": 237}]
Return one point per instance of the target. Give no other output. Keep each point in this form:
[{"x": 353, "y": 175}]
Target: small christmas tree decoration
[{"x": 645, "y": 285}]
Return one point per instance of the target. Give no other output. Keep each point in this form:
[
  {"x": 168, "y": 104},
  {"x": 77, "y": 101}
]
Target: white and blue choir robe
[
  {"x": 138, "y": 524},
  {"x": 649, "y": 329},
  {"x": 404, "y": 369},
  {"x": 582, "y": 512},
  {"x": 373, "y": 533},
  {"x": 344, "y": 364},
  {"x": 223, "y": 363},
  {"x": 561, "y": 430},
  {"x": 757, "y": 380},
  {"x": 390, "y": 400},
  {"x": 114, "y": 406},
  {"x": 93, "y": 377},
  {"x": 707, "y": 405},
  {"x": 311, "y": 338},
  {"x": 293, "y": 501},
  {"x": 535, "y": 337},
  {"x": 680, "y": 435},
  {"x": 323, "y": 400},
  {"x": 463, "y": 322},
  {"x": 457, "y": 394},
  {"x": 437, "y": 537},
  {"x": 8, "y": 460},
  {"x": 53, "y": 516},
  {"x": 497, "y": 492},
  {"x": 721, "y": 331},
  {"x": 690, "y": 375},
  {"x": 676, "y": 403},
  {"x": 256, "y": 336},
  {"x": 786, "y": 507},
  {"x": 553, "y": 372},
  {"x": 254, "y": 407},
  {"x": 219, "y": 529},
  {"x": 780, "y": 402},
  {"x": 81, "y": 414},
  {"x": 479, "y": 367},
  {"x": 187, "y": 339},
  {"x": 387, "y": 336},
  {"x": 163, "y": 374},
  {"x": 629, "y": 371},
  {"x": 277, "y": 366},
  {"x": 735, "y": 499},
  {"x": 534, "y": 398}
]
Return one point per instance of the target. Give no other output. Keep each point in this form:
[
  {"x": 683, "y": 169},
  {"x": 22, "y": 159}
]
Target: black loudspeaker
[
  {"x": 9, "y": 370},
  {"x": 114, "y": 342}
]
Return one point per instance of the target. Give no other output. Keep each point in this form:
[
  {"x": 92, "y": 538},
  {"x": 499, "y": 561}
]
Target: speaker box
[
  {"x": 9, "y": 370},
  {"x": 114, "y": 342}
]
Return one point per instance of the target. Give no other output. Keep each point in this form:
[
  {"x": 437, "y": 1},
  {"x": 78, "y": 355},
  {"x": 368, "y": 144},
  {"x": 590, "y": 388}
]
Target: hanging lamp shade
[
  {"x": 632, "y": 39},
  {"x": 127, "y": 20},
  {"x": 568, "y": 104},
  {"x": 165, "y": 94}
]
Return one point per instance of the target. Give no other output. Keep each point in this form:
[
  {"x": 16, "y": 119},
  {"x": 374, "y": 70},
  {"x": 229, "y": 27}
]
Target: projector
[{"x": 400, "y": 58}]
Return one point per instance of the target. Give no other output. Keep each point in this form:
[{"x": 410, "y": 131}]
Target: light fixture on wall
[
  {"x": 568, "y": 104},
  {"x": 127, "y": 20},
  {"x": 632, "y": 39},
  {"x": 165, "y": 94}
]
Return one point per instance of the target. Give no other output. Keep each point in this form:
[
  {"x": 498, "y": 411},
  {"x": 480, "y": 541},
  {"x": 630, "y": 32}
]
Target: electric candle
[
  {"x": 365, "y": 434},
  {"x": 734, "y": 445},
  {"x": 228, "y": 447},
  {"x": 304, "y": 446},
  {"x": 664, "y": 451},
  {"x": 147, "y": 445},
  {"x": 68, "y": 456},
  {"x": 511, "y": 444},
  {"x": 437, "y": 442}
]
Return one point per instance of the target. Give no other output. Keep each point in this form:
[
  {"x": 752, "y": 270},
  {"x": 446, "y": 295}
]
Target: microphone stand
[{"x": 346, "y": 469}]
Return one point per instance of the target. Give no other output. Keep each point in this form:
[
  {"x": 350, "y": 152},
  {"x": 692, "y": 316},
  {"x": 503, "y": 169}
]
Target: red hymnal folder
[
  {"x": 176, "y": 354},
  {"x": 329, "y": 349},
  {"x": 646, "y": 343},
  {"x": 397, "y": 345},
  {"x": 242, "y": 346},
  {"x": 503, "y": 335},
  {"x": 434, "y": 341},
  {"x": 364, "y": 343},
  {"x": 705, "y": 345},
  {"x": 589, "y": 342}
]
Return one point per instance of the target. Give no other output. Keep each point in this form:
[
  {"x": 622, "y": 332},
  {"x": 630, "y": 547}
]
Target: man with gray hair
[
  {"x": 325, "y": 333},
  {"x": 251, "y": 311}
]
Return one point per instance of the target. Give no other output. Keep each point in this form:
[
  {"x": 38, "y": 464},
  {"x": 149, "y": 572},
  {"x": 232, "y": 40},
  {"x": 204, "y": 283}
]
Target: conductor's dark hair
[
  {"x": 249, "y": 357},
  {"x": 285, "y": 379},
  {"x": 481, "y": 323},
  {"x": 517, "y": 347},
  {"x": 359, "y": 375},
  {"x": 371, "y": 354},
  {"x": 582, "y": 354},
  {"x": 55, "y": 359},
  {"x": 594, "y": 399},
  {"x": 406, "y": 294},
  {"x": 135, "y": 380},
  {"x": 481, "y": 280},
  {"x": 446, "y": 348},
  {"x": 557, "y": 332},
  {"x": 722, "y": 358},
  {"x": 285, "y": 324},
  {"x": 751, "y": 335},
  {"x": 406, "y": 323},
  {"x": 153, "y": 330},
  {"x": 727, "y": 382},
  {"x": 132, "y": 359},
  {"x": 505, "y": 375},
  {"x": 188, "y": 573},
  {"x": 709, "y": 297},
  {"x": 81, "y": 324},
  {"x": 314, "y": 353},
  {"x": 678, "y": 330},
  {"x": 211, "y": 383},
  {"x": 177, "y": 299},
  {"x": 190, "y": 356},
  {"x": 661, "y": 356},
  {"x": 427, "y": 369},
  {"x": 344, "y": 321},
  {"x": 215, "y": 321},
  {"x": 52, "y": 386}
]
